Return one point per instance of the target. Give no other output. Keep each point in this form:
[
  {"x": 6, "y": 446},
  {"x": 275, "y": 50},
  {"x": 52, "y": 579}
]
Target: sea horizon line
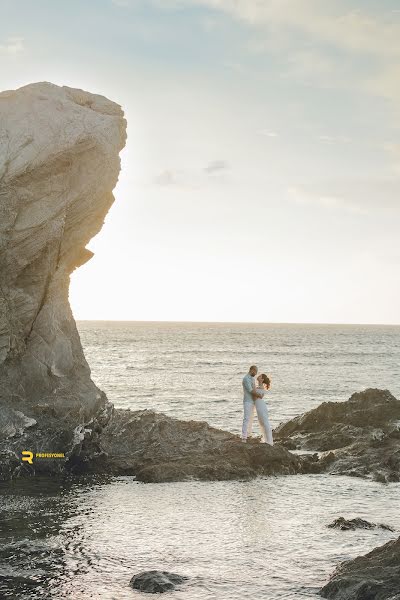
[{"x": 283, "y": 323}]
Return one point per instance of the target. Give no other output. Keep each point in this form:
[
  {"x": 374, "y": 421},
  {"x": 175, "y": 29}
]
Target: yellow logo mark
[{"x": 27, "y": 456}]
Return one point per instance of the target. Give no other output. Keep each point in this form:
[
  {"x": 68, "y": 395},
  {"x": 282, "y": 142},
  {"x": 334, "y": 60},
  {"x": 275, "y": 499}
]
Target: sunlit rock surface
[
  {"x": 59, "y": 162},
  {"x": 359, "y": 437}
]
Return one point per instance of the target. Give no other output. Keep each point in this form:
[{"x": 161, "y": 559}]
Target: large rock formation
[
  {"x": 359, "y": 437},
  {"x": 375, "y": 576},
  {"x": 59, "y": 162}
]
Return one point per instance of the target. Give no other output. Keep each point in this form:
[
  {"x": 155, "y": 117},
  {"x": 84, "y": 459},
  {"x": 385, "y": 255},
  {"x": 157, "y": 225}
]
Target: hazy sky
[{"x": 261, "y": 177}]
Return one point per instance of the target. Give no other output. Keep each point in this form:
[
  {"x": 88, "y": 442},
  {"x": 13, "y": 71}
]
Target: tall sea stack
[{"x": 59, "y": 163}]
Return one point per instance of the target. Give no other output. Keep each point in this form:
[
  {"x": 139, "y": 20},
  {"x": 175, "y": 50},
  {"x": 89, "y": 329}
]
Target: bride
[{"x": 264, "y": 383}]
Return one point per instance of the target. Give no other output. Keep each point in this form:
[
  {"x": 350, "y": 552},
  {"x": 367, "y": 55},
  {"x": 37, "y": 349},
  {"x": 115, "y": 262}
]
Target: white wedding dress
[{"x": 263, "y": 418}]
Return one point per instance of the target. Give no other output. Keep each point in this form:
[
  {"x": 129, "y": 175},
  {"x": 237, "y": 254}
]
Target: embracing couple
[{"x": 253, "y": 400}]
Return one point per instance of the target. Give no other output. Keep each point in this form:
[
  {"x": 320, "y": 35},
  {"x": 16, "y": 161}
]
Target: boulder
[
  {"x": 375, "y": 576},
  {"x": 154, "y": 582},
  {"x": 357, "y": 523}
]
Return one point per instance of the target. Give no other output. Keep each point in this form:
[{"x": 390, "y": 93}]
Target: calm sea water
[
  {"x": 265, "y": 539},
  {"x": 194, "y": 371}
]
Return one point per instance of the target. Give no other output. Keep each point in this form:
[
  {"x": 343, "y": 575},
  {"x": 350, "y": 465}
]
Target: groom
[{"x": 249, "y": 395}]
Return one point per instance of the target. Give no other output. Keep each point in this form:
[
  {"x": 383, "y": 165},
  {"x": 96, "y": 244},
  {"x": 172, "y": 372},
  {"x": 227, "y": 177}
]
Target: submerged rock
[
  {"x": 154, "y": 582},
  {"x": 59, "y": 162},
  {"x": 360, "y": 437},
  {"x": 357, "y": 523},
  {"x": 375, "y": 576}
]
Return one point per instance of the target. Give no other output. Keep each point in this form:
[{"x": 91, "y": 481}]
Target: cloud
[
  {"x": 331, "y": 23},
  {"x": 268, "y": 133},
  {"x": 166, "y": 178},
  {"x": 393, "y": 150},
  {"x": 192, "y": 179},
  {"x": 216, "y": 166},
  {"x": 302, "y": 195},
  {"x": 178, "y": 179},
  {"x": 364, "y": 197},
  {"x": 323, "y": 40},
  {"x": 354, "y": 30},
  {"x": 335, "y": 139},
  {"x": 12, "y": 46}
]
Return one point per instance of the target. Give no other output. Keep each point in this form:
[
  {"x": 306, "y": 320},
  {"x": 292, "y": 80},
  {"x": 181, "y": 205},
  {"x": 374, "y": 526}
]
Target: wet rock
[
  {"x": 360, "y": 437},
  {"x": 375, "y": 576},
  {"x": 156, "y": 581},
  {"x": 357, "y": 523}
]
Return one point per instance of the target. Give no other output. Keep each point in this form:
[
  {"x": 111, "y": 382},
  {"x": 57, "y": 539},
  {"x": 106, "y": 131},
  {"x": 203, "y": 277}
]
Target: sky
[{"x": 261, "y": 177}]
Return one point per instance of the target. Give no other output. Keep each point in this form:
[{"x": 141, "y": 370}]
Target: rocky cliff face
[{"x": 59, "y": 162}]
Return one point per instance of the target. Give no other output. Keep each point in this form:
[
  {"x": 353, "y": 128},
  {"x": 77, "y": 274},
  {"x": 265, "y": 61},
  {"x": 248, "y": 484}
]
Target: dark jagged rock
[
  {"x": 357, "y": 523},
  {"x": 158, "y": 448},
  {"x": 375, "y": 576},
  {"x": 59, "y": 162},
  {"x": 154, "y": 582},
  {"x": 360, "y": 437}
]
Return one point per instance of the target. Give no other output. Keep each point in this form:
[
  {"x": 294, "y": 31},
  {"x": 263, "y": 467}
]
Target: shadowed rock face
[
  {"x": 360, "y": 437},
  {"x": 375, "y": 576},
  {"x": 59, "y": 162}
]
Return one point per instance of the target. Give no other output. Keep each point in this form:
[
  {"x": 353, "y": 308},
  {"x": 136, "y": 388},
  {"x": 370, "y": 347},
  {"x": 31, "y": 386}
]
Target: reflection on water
[{"x": 267, "y": 538}]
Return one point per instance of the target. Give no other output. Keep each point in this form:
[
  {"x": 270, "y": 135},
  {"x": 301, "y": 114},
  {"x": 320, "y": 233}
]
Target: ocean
[
  {"x": 195, "y": 370},
  {"x": 261, "y": 540}
]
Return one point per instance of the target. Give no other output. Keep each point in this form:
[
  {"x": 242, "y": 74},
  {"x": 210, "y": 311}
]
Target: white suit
[{"x": 249, "y": 385}]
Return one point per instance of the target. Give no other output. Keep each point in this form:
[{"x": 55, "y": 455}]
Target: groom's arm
[{"x": 248, "y": 385}]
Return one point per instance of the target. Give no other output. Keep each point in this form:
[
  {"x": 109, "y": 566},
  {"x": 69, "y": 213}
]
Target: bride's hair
[{"x": 266, "y": 381}]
